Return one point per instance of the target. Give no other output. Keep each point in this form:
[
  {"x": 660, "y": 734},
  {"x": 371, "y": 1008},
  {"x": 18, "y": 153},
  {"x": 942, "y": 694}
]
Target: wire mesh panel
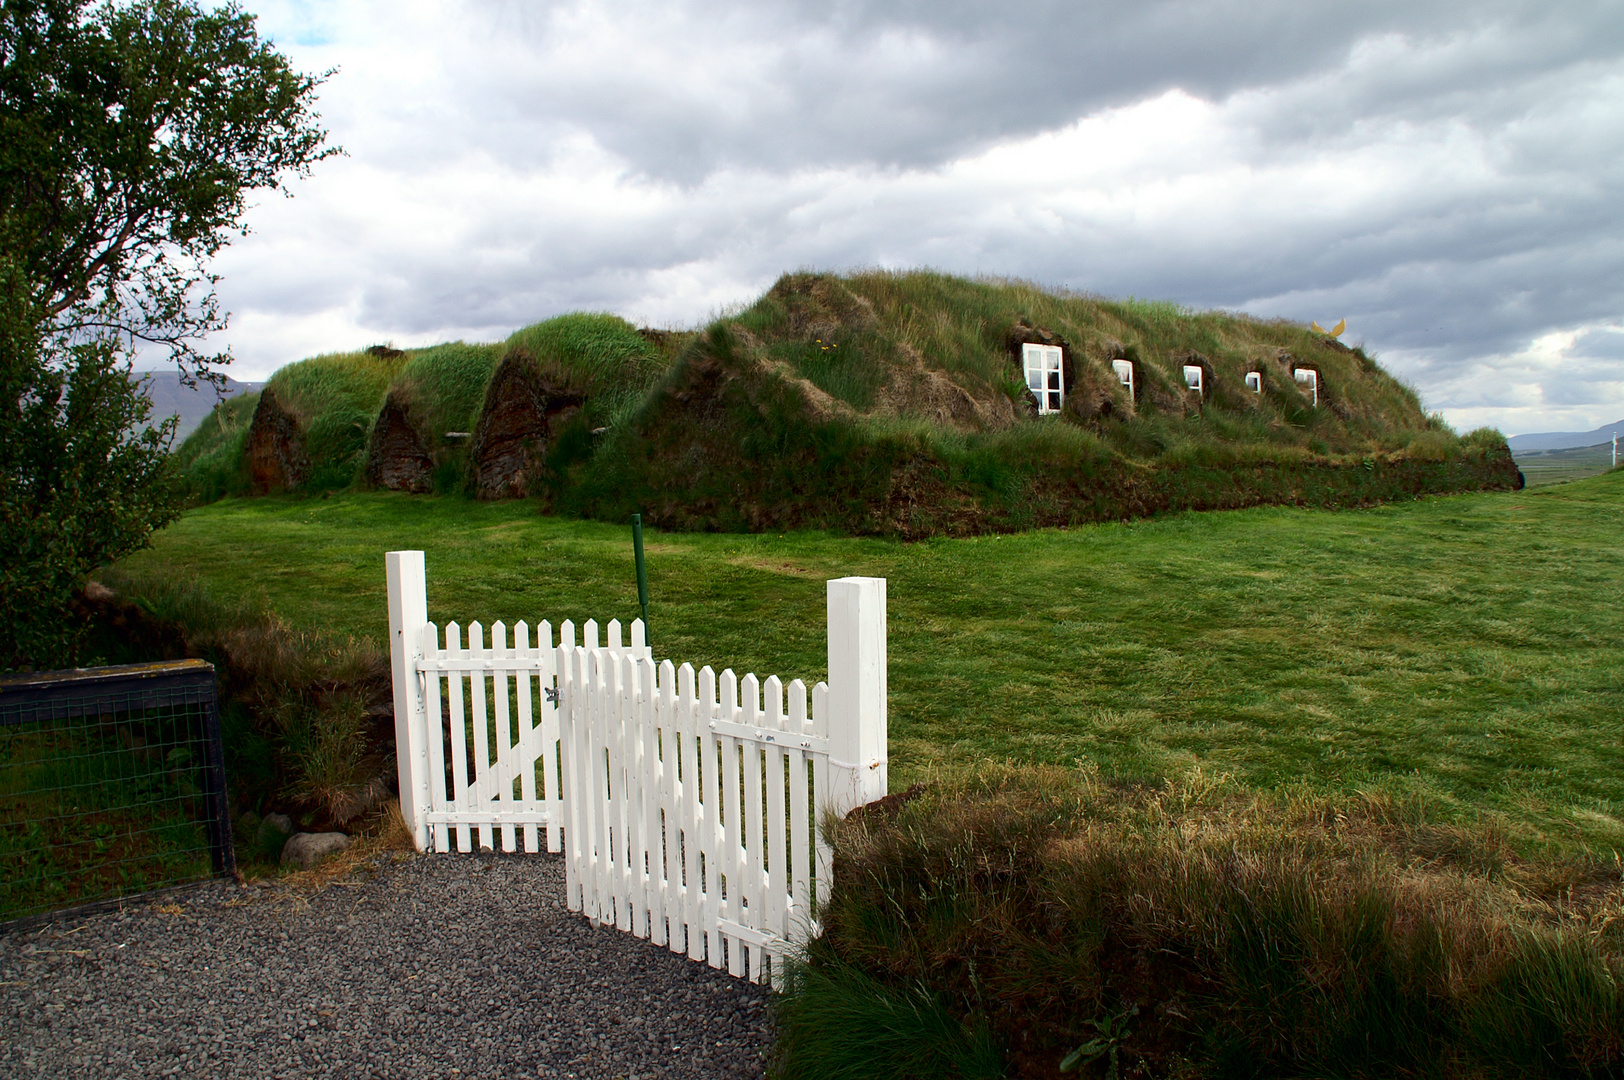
[{"x": 112, "y": 782}]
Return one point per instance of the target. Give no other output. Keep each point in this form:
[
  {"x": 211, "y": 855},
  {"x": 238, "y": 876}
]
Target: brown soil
[
  {"x": 917, "y": 390},
  {"x": 276, "y": 454},
  {"x": 397, "y": 457},
  {"x": 820, "y": 306},
  {"x": 522, "y": 406}
]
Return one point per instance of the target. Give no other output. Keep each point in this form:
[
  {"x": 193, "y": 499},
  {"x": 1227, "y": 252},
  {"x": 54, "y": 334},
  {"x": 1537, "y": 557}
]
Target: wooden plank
[
  {"x": 480, "y": 720},
  {"x": 707, "y": 828},
  {"x": 774, "y": 879},
  {"x": 458, "y": 736},
  {"x": 670, "y": 823},
  {"x": 732, "y": 827},
  {"x": 502, "y": 768},
  {"x": 493, "y": 816},
  {"x": 524, "y": 763},
  {"x": 688, "y": 799},
  {"x": 823, "y": 867},
  {"x": 600, "y": 689},
  {"x": 631, "y": 911},
  {"x": 752, "y": 861},
  {"x": 439, "y": 800},
  {"x": 650, "y": 868},
  {"x": 799, "y": 864},
  {"x": 570, "y": 787},
  {"x": 549, "y": 767}
]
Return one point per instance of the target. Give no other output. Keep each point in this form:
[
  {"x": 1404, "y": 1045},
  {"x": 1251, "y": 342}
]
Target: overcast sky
[{"x": 1447, "y": 176}]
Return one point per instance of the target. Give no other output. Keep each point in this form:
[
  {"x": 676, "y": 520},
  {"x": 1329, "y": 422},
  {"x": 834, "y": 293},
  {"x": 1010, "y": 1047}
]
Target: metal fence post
[
  {"x": 408, "y": 615},
  {"x": 857, "y": 692}
]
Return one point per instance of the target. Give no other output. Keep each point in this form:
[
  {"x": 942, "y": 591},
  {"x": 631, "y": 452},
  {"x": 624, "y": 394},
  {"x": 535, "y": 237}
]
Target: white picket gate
[{"x": 688, "y": 806}]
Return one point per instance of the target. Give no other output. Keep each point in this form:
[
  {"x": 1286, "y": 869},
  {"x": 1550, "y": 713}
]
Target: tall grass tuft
[{"x": 1254, "y": 934}]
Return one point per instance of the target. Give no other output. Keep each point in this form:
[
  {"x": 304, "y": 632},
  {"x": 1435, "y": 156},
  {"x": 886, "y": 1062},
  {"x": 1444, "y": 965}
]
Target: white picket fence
[{"x": 688, "y": 806}]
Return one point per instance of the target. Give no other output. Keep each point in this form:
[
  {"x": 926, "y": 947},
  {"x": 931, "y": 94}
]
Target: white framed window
[
  {"x": 1045, "y": 376},
  {"x": 1309, "y": 378},
  {"x": 1124, "y": 374},
  {"x": 1193, "y": 379},
  {"x": 1254, "y": 381}
]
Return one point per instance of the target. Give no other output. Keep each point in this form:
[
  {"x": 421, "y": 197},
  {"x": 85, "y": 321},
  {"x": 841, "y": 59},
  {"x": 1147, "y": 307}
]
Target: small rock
[
  {"x": 305, "y": 850},
  {"x": 272, "y": 834}
]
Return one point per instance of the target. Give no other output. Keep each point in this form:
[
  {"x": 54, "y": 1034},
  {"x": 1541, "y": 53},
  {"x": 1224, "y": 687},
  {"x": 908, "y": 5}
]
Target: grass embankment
[
  {"x": 1020, "y": 923},
  {"x": 1468, "y": 649}
]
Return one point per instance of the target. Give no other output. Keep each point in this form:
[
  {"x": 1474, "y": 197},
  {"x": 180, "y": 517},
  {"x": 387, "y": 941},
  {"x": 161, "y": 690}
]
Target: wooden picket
[
  {"x": 499, "y": 730},
  {"x": 695, "y": 824},
  {"x": 687, "y": 805}
]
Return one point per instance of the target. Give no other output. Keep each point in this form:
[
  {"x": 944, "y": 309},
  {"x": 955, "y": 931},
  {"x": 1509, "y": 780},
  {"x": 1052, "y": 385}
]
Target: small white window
[
  {"x": 1124, "y": 372},
  {"x": 1254, "y": 381},
  {"x": 1192, "y": 379},
  {"x": 1044, "y": 376},
  {"x": 1309, "y": 378}
]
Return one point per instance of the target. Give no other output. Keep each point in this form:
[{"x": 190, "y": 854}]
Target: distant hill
[
  {"x": 1564, "y": 440},
  {"x": 191, "y": 403}
]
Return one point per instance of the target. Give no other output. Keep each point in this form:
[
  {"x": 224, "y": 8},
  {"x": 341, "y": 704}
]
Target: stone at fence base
[{"x": 305, "y": 850}]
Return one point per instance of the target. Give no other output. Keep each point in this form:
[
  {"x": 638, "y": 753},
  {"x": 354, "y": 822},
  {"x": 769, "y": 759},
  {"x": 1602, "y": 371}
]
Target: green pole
[{"x": 642, "y": 571}]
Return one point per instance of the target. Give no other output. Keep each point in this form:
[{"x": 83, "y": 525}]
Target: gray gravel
[{"x": 443, "y": 965}]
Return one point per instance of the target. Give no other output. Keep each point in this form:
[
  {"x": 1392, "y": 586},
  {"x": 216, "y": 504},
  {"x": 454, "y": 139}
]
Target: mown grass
[{"x": 1466, "y": 649}]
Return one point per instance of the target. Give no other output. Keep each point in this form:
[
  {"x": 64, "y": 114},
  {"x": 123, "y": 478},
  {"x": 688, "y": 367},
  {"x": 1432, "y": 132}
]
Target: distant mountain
[
  {"x": 1565, "y": 440},
  {"x": 192, "y": 404}
]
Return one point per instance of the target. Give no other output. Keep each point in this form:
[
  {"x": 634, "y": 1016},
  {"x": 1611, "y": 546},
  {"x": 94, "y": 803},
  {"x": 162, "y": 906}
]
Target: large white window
[
  {"x": 1124, "y": 372},
  {"x": 1044, "y": 376},
  {"x": 1309, "y": 378}
]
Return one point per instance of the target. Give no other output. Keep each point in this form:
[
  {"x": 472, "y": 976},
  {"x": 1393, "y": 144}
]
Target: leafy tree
[{"x": 131, "y": 137}]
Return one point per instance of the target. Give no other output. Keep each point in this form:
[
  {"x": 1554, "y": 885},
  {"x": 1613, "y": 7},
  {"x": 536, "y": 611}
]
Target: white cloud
[{"x": 1445, "y": 176}]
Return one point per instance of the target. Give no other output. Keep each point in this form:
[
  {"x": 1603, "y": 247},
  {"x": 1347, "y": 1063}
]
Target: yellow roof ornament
[{"x": 1335, "y": 331}]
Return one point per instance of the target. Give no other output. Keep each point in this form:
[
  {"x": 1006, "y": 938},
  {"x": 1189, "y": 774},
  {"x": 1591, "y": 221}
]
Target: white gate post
[
  {"x": 857, "y": 692},
  {"x": 408, "y": 615}
]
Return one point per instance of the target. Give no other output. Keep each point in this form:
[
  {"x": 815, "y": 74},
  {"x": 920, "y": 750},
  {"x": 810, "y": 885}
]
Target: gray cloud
[{"x": 1445, "y": 176}]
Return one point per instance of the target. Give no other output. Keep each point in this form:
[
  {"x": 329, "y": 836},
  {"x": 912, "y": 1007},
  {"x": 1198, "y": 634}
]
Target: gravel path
[{"x": 445, "y": 965}]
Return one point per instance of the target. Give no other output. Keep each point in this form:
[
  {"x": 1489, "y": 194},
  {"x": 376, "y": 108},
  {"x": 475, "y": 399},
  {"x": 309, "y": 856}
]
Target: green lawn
[{"x": 1468, "y": 648}]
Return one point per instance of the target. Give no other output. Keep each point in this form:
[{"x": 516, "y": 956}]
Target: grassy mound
[
  {"x": 895, "y": 403},
  {"x": 406, "y": 419},
  {"x": 329, "y": 403},
  {"x": 419, "y": 439},
  {"x": 212, "y": 462},
  {"x": 1021, "y": 923},
  {"x": 560, "y": 384}
]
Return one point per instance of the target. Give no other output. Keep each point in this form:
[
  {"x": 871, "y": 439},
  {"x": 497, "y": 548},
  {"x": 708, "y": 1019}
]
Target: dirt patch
[
  {"x": 523, "y": 405},
  {"x": 277, "y": 460},
  {"x": 397, "y": 456},
  {"x": 820, "y": 306},
  {"x": 918, "y": 390},
  {"x": 821, "y": 406}
]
